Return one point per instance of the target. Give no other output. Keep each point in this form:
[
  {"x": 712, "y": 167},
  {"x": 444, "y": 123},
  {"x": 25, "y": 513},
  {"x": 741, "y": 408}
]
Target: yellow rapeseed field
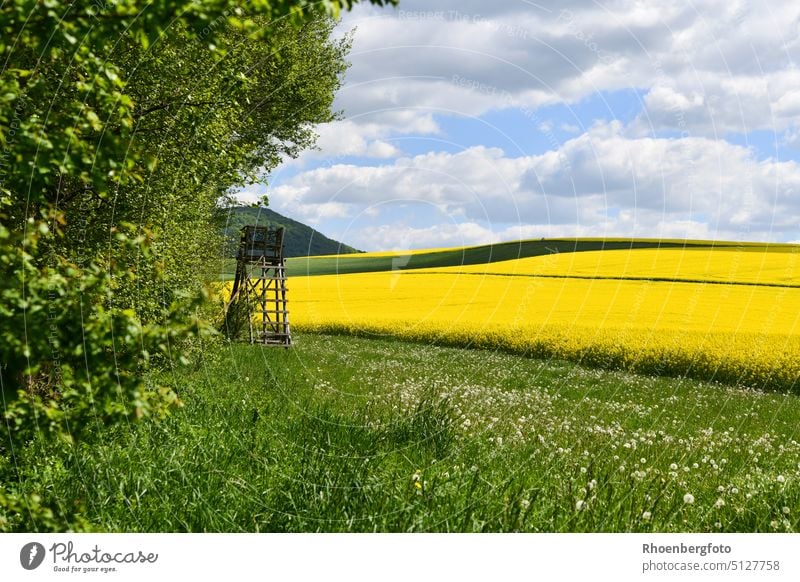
[
  {"x": 579, "y": 306},
  {"x": 779, "y": 265}
]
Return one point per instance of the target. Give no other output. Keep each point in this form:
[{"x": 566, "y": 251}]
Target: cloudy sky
[{"x": 467, "y": 122}]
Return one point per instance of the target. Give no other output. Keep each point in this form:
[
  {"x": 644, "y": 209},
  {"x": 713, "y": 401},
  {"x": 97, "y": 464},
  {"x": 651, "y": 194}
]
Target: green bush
[{"x": 71, "y": 365}]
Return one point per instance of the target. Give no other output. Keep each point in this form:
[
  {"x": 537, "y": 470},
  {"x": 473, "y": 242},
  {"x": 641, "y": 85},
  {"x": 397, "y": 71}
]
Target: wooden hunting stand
[{"x": 260, "y": 286}]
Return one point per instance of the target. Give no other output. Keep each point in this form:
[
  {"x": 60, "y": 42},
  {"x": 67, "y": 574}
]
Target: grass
[{"x": 354, "y": 434}]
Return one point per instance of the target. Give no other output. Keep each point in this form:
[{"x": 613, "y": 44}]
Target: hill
[
  {"x": 483, "y": 254},
  {"x": 300, "y": 240}
]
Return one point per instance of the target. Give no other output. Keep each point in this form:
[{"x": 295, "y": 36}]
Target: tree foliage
[{"x": 121, "y": 124}]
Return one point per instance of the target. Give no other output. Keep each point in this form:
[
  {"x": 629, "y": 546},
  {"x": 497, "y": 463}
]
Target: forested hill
[{"x": 300, "y": 240}]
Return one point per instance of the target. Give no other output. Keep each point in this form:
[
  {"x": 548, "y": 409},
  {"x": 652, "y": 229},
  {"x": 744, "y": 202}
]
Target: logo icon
[{"x": 31, "y": 555}]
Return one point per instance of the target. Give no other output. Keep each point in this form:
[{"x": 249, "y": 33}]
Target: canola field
[{"x": 723, "y": 312}]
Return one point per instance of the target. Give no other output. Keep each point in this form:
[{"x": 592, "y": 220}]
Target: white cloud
[
  {"x": 788, "y": 105},
  {"x": 705, "y": 69},
  {"x": 601, "y": 182},
  {"x": 401, "y": 236},
  {"x": 728, "y": 65},
  {"x": 347, "y": 138}
]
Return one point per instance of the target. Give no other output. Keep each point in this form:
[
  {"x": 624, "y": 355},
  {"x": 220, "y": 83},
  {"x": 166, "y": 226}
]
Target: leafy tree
[{"x": 124, "y": 112}]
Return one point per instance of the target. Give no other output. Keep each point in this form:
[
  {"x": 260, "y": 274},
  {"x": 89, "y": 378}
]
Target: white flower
[
  {"x": 780, "y": 478},
  {"x": 719, "y": 503},
  {"x": 646, "y": 516},
  {"x": 580, "y": 505},
  {"x": 525, "y": 504},
  {"x": 673, "y": 467},
  {"x": 688, "y": 498},
  {"x": 786, "y": 510}
]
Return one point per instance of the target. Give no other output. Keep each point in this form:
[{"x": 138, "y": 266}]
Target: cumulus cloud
[
  {"x": 706, "y": 71},
  {"x": 726, "y": 64},
  {"x": 601, "y": 182},
  {"x": 402, "y": 236}
]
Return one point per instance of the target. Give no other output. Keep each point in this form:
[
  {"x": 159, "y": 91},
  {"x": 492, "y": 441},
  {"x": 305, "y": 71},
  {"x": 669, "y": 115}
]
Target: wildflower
[
  {"x": 673, "y": 467},
  {"x": 719, "y": 503},
  {"x": 646, "y": 516},
  {"x": 525, "y": 503},
  {"x": 688, "y": 499},
  {"x": 780, "y": 479},
  {"x": 786, "y": 510},
  {"x": 580, "y": 505}
]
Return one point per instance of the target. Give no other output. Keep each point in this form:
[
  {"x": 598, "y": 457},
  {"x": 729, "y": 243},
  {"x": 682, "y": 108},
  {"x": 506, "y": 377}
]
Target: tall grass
[{"x": 350, "y": 434}]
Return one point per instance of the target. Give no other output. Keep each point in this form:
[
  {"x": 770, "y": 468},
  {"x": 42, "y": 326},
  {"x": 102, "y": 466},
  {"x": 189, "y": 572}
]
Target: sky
[{"x": 470, "y": 122}]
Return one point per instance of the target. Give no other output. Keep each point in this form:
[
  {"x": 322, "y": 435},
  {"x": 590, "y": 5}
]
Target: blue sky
[{"x": 471, "y": 122}]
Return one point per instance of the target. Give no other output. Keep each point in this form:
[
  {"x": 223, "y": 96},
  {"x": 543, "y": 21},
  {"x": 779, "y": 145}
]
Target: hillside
[
  {"x": 300, "y": 240},
  {"x": 491, "y": 253}
]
